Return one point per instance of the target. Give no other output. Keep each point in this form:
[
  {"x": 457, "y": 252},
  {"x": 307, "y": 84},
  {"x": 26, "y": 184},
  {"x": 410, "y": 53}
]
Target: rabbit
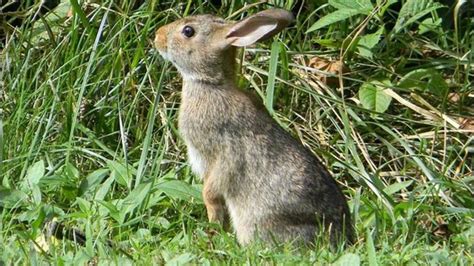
[{"x": 271, "y": 186}]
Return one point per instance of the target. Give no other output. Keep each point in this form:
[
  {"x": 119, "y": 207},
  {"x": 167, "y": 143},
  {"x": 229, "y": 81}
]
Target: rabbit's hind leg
[{"x": 215, "y": 205}]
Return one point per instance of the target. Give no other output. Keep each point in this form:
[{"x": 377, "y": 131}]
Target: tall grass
[{"x": 90, "y": 140}]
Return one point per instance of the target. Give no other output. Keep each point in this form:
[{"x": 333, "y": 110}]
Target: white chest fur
[{"x": 196, "y": 160}]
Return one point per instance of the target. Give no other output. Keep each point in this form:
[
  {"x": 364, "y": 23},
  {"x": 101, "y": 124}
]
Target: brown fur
[{"x": 271, "y": 186}]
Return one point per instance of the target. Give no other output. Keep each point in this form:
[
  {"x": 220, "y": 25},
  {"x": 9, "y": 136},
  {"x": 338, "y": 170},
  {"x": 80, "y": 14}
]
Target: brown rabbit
[{"x": 271, "y": 186}]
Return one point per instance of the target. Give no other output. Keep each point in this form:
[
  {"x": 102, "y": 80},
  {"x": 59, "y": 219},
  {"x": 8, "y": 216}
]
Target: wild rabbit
[{"x": 272, "y": 186}]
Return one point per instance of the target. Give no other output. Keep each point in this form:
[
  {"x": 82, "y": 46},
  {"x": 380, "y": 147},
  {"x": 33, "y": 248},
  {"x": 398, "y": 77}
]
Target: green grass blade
[
  {"x": 149, "y": 131},
  {"x": 80, "y": 13},
  {"x": 274, "y": 54},
  {"x": 371, "y": 253},
  {"x": 85, "y": 79},
  {"x": 2, "y": 149}
]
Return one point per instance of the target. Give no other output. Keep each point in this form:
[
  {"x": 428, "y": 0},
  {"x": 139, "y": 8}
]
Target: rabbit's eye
[{"x": 188, "y": 31}]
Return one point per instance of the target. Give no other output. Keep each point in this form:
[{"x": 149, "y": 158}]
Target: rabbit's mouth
[
  {"x": 164, "y": 54},
  {"x": 162, "y": 50},
  {"x": 161, "y": 42}
]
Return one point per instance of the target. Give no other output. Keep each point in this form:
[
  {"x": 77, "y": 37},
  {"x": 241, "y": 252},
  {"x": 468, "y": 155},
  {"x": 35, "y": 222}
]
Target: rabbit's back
[{"x": 289, "y": 190}]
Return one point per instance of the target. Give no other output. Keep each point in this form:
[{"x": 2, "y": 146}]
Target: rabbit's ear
[{"x": 258, "y": 27}]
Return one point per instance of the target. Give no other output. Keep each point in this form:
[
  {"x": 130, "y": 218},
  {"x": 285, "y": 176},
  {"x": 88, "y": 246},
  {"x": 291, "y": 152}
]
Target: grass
[{"x": 90, "y": 140}]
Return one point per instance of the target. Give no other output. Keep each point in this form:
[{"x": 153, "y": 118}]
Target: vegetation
[{"x": 380, "y": 90}]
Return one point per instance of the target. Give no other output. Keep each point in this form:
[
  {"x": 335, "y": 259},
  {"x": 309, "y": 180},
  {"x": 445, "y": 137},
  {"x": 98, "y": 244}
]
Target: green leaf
[
  {"x": 36, "y": 194},
  {"x": 136, "y": 197},
  {"x": 11, "y": 198},
  {"x": 84, "y": 205},
  {"x": 425, "y": 79},
  {"x": 38, "y": 221},
  {"x": 412, "y": 11},
  {"x": 35, "y": 173},
  {"x": 121, "y": 173},
  {"x": 368, "y": 41},
  {"x": 182, "y": 259},
  {"x": 348, "y": 259},
  {"x": 334, "y": 17},
  {"x": 429, "y": 25},
  {"x": 104, "y": 188},
  {"x": 113, "y": 210},
  {"x": 163, "y": 222},
  {"x": 331, "y": 43},
  {"x": 396, "y": 187},
  {"x": 71, "y": 171},
  {"x": 92, "y": 180},
  {"x": 373, "y": 97},
  {"x": 364, "y": 6},
  {"x": 346, "y": 9},
  {"x": 179, "y": 190},
  {"x": 143, "y": 234}
]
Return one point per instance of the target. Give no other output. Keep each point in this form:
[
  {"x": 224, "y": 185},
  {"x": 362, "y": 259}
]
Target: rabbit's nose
[{"x": 161, "y": 39}]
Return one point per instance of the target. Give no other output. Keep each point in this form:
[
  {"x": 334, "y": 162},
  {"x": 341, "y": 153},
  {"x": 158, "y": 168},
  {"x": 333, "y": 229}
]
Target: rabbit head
[{"x": 203, "y": 47}]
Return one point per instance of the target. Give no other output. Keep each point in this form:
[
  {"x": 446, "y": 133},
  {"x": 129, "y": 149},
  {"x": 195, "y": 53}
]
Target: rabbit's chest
[
  {"x": 196, "y": 160},
  {"x": 201, "y": 141},
  {"x": 193, "y": 137}
]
